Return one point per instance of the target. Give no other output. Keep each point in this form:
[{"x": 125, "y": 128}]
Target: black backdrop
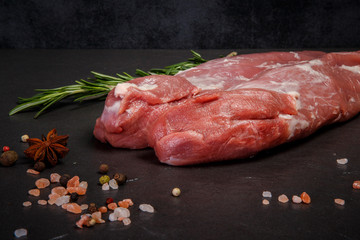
[{"x": 180, "y": 24}]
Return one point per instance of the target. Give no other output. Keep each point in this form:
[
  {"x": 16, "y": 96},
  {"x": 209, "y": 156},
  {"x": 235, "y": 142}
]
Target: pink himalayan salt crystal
[
  {"x": 42, "y": 202},
  {"x": 27, "y": 204},
  {"x": 129, "y": 201},
  {"x": 55, "y": 177},
  {"x": 84, "y": 206},
  {"x": 296, "y": 199},
  {"x": 97, "y": 217},
  {"x": 73, "y": 208},
  {"x": 283, "y": 198},
  {"x": 83, "y": 184},
  {"x": 62, "y": 200},
  {"x": 84, "y": 219},
  {"x": 32, "y": 171},
  {"x": 42, "y": 183},
  {"x": 34, "y": 192},
  {"x": 60, "y": 190},
  {"x": 339, "y": 201},
  {"x": 126, "y": 221},
  {"x": 265, "y": 202}
]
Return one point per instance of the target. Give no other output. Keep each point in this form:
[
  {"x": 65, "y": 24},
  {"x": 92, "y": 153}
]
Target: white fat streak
[
  {"x": 308, "y": 68},
  {"x": 295, "y": 124},
  {"x": 354, "y": 69},
  {"x": 122, "y": 88},
  {"x": 271, "y": 66},
  {"x": 296, "y": 55},
  {"x": 114, "y": 108}
]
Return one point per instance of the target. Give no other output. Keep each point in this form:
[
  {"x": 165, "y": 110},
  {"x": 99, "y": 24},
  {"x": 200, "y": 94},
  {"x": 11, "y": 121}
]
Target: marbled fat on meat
[{"x": 232, "y": 107}]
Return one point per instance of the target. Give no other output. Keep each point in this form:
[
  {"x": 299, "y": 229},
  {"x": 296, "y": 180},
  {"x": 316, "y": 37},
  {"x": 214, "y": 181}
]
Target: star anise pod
[{"x": 52, "y": 147}]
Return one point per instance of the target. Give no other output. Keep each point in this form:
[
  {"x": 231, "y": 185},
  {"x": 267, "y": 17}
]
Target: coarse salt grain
[
  {"x": 105, "y": 187},
  {"x": 112, "y": 217},
  {"x": 342, "y": 161},
  {"x": 32, "y": 171},
  {"x": 126, "y": 221},
  {"x": 339, "y": 201},
  {"x": 84, "y": 206},
  {"x": 42, "y": 183},
  {"x": 27, "y": 204},
  {"x": 83, "y": 184},
  {"x": 42, "y": 202},
  {"x": 265, "y": 202},
  {"x": 34, "y": 192},
  {"x": 55, "y": 177},
  {"x": 267, "y": 194},
  {"x": 146, "y": 208},
  {"x": 113, "y": 184},
  {"x": 296, "y": 199},
  {"x": 283, "y": 198},
  {"x": 121, "y": 212},
  {"x": 62, "y": 200},
  {"x": 21, "y": 232}
]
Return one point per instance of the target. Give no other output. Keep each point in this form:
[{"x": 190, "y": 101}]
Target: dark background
[{"x": 169, "y": 24}]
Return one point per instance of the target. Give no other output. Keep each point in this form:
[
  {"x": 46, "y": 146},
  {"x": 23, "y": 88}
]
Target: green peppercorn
[
  {"x": 8, "y": 158},
  {"x": 64, "y": 179},
  {"x": 104, "y": 179},
  {"x": 39, "y": 166},
  {"x": 120, "y": 178}
]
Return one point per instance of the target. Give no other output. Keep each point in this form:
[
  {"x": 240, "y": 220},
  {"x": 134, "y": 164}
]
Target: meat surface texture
[{"x": 232, "y": 107}]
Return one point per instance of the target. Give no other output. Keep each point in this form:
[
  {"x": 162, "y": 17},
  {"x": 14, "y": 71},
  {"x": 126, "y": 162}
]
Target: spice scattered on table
[
  {"x": 21, "y": 232},
  {"x": 267, "y": 194},
  {"x": 42, "y": 202},
  {"x": 24, "y": 138},
  {"x": 42, "y": 183},
  {"x": 39, "y": 166},
  {"x": 27, "y": 204},
  {"x": 104, "y": 179},
  {"x": 339, "y": 201},
  {"x": 52, "y": 148},
  {"x": 34, "y": 192},
  {"x": 356, "y": 184},
  {"x": 176, "y": 192},
  {"x": 8, "y": 158},
  {"x": 104, "y": 168},
  {"x": 296, "y": 199},
  {"x": 120, "y": 178},
  {"x": 6, "y": 148},
  {"x": 32, "y": 171},
  {"x": 265, "y": 202},
  {"x": 283, "y": 198},
  {"x": 342, "y": 161},
  {"x": 305, "y": 198},
  {"x": 146, "y": 208}
]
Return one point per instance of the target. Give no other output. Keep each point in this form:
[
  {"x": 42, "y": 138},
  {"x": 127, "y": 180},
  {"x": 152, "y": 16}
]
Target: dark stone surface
[
  {"x": 183, "y": 24},
  {"x": 218, "y": 201}
]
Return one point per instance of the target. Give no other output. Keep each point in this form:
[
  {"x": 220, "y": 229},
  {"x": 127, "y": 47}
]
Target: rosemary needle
[{"x": 95, "y": 88}]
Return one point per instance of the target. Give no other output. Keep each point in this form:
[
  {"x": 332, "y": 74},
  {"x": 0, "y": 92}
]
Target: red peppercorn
[
  {"x": 6, "y": 148},
  {"x": 109, "y": 200}
]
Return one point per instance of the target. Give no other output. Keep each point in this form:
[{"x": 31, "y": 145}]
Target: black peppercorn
[
  {"x": 39, "y": 166},
  {"x": 64, "y": 179},
  {"x": 74, "y": 197},
  {"x": 120, "y": 178}
]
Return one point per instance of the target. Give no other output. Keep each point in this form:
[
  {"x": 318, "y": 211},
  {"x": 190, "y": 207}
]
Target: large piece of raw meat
[{"x": 232, "y": 107}]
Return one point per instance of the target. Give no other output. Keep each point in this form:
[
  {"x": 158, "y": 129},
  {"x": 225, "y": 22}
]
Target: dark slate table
[{"x": 218, "y": 201}]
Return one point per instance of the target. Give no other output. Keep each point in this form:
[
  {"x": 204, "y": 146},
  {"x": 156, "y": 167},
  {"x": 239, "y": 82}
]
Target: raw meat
[{"x": 232, "y": 107}]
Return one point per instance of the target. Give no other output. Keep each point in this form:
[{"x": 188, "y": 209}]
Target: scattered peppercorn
[
  {"x": 64, "y": 179},
  {"x": 92, "y": 208},
  {"x": 24, "y": 138},
  {"x": 356, "y": 184},
  {"x": 104, "y": 179},
  {"x": 8, "y": 158},
  {"x": 104, "y": 168},
  {"x": 39, "y": 166},
  {"x": 120, "y": 178},
  {"x": 109, "y": 200},
  {"x": 74, "y": 197},
  {"x": 6, "y": 148},
  {"x": 176, "y": 192}
]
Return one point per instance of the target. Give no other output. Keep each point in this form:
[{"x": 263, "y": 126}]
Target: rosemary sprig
[{"x": 96, "y": 87}]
